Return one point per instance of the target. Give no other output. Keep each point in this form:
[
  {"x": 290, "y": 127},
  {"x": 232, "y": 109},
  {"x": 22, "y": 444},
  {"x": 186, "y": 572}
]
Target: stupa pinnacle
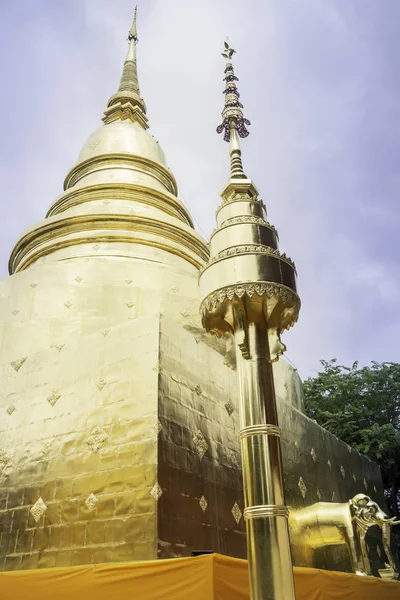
[{"x": 127, "y": 103}]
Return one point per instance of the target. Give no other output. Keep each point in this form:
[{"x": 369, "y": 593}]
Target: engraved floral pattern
[
  {"x": 91, "y": 502},
  {"x": 229, "y": 407},
  {"x": 302, "y": 487},
  {"x": 38, "y": 509},
  {"x": 237, "y": 513},
  {"x": 53, "y": 397},
  {"x": 96, "y": 439},
  {"x": 251, "y": 249},
  {"x": 200, "y": 444},
  {"x": 17, "y": 364},
  {"x": 203, "y": 504},
  {"x": 156, "y": 491},
  {"x": 268, "y": 289},
  {"x": 101, "y": 384}
]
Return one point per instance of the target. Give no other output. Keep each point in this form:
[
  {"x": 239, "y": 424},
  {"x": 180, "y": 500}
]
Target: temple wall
[
  {"x": 198, "y": 392},
  {"x": 78, "y": 406},
  {"x": 102, "y": 396}
]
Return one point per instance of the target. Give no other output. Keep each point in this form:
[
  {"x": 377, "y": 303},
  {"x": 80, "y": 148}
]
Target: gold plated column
[
  {"x": 265, "y": 513},
  {"x": 248, "y": 289}
]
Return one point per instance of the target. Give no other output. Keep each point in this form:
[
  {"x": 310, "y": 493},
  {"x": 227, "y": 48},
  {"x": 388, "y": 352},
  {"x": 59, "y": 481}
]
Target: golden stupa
[{"x": 119, "y": 413}]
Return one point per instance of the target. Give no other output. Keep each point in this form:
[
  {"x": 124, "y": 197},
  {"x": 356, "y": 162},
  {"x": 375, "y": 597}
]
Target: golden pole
[
  {"x": 270, "y": 564},
  {"x": 248, "y": 289}
]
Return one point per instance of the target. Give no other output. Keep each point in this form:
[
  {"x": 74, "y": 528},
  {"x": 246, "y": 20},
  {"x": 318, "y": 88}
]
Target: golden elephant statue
[{"x": 328, "y": 523}]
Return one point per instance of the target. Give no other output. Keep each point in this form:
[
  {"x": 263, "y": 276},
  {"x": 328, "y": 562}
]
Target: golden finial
[
  {"x": 133, "y": 31},
  {"x": 127, "y": 103},
  {"x": 233, "y": 122}
]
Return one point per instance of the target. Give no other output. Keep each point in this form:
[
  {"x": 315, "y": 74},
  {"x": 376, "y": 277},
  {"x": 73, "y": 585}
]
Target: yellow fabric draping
[{"x": 207, "y": 577}]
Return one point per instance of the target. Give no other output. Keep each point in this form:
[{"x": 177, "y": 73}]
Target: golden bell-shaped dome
[
  {"x": 123, "y": 137},
  {"x": 120, "y": 194}
]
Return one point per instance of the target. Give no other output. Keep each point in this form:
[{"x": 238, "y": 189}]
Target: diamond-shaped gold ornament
[
  {"x": 156, "y": 491},
  {"x": 100, "y": 384},
  {"x": 54, "y": 397},
  {"x": 96, "y": 439},
  {"x": 38, "y": 509},
  {"x": 17, "y": 364},
  {"x": 237, "y": 513},
  {"x": 200, "y": 444},
  {"x": 203, "y": 504},
  {"x": 302, "y": 487},
  {"x": 91, "y": 502},
  {"x": 229, "y": 407},
  {"x": 4, "y": 460}
]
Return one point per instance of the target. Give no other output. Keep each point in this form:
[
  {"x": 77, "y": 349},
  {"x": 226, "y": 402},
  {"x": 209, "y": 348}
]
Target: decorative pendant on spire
[
  {"x": 233, "y": 123},
  {"x": 127, "y": 103}
]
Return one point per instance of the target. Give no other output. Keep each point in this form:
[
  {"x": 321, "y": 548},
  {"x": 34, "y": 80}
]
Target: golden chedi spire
[
  {"x": 127, "y": 103},
  {"x": 248, "y": 290},
  {"x": 120, "y": 194}
]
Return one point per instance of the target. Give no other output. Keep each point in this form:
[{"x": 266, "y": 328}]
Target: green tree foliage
[{"x": 361, "y": 406}]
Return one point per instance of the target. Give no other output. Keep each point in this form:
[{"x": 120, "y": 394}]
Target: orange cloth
[{"x": 207, "y": 577}]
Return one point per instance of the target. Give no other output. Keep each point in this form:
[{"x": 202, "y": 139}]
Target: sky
[{"x": 320, "y": 83}]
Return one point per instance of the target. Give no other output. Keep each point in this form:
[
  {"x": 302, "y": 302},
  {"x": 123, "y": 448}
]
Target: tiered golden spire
[
  {"x": 248, "y": 289},
  {"x": 127, "y": 103},
  {"x": 233, "y": 123}
]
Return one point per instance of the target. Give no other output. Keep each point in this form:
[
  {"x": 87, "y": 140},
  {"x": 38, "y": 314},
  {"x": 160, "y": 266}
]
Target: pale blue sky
[{"x": 320, "y": 82}]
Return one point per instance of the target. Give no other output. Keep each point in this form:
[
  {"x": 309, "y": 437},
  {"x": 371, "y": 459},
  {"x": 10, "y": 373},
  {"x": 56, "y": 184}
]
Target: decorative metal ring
[
  {"x": 262, "y": 429},
  {"x": 266, "y": 510}
]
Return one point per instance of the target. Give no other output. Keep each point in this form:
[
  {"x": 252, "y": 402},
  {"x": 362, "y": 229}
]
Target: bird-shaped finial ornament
[{"x": 228, "y": 52}]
